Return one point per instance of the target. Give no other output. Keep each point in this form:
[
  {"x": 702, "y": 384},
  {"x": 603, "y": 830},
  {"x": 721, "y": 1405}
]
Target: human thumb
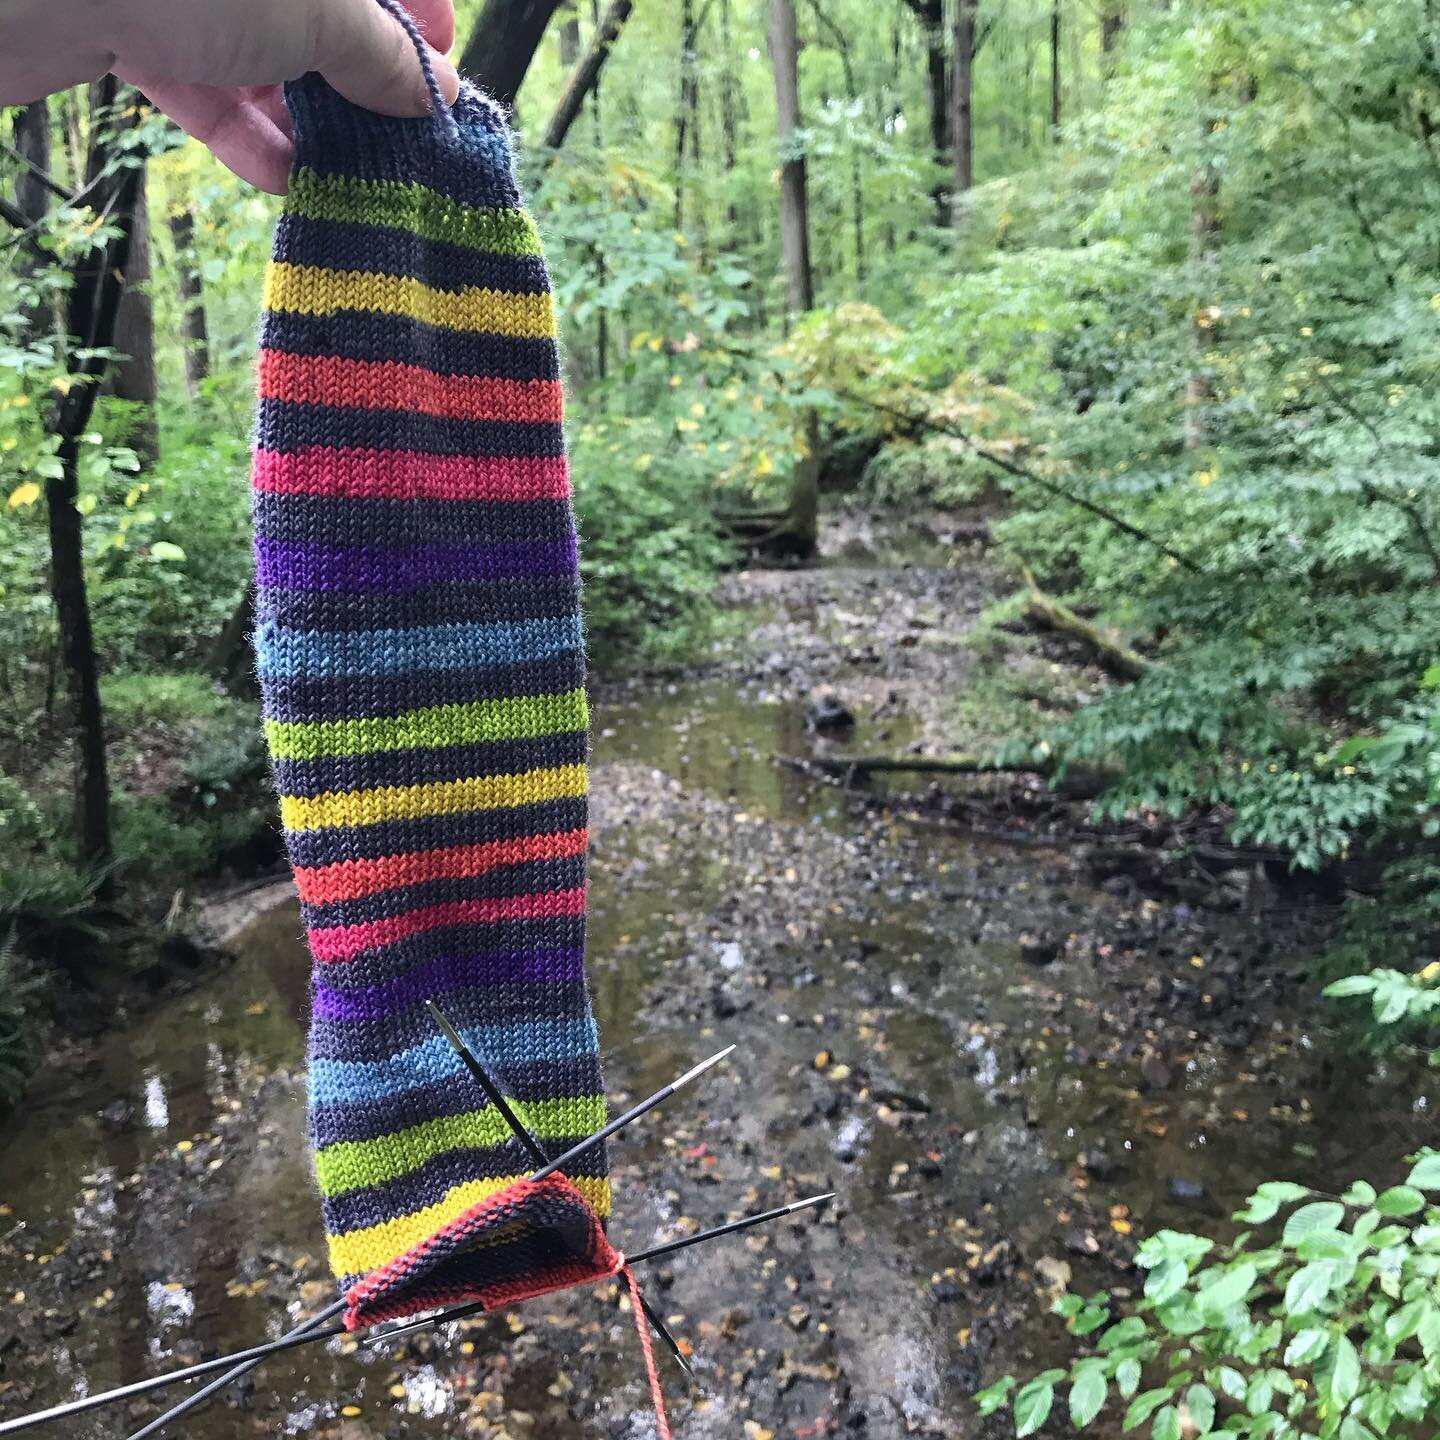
[{"x": 372, "y": 59}]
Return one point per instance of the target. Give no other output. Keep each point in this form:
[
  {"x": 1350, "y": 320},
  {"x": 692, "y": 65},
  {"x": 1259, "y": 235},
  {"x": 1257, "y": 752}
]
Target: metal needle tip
[{"x": 703, "y": 1066}]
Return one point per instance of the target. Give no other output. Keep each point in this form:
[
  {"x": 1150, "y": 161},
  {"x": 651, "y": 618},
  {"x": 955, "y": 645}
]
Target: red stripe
[
  {"x": 344, "y": 942},
  {"x": 409, "y": 475},
  {"x": 352, "y": 879},
  {"x": 393, "y": 385}
]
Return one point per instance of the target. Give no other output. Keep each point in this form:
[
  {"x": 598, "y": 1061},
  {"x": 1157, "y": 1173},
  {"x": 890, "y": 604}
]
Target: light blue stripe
[
  {"x": 498, "y": 1046},
  {"x": 311, "y": 654}
]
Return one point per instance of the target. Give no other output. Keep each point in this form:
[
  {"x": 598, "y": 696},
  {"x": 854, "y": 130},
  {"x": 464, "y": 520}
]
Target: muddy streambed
[{"x": 1008, "y": 1073}]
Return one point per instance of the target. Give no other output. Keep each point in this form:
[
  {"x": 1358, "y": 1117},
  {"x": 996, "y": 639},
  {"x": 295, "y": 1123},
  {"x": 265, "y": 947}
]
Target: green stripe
[
  {"x": 355, "y": 1164},
  {"x": 519, "y": 717},
  {"x": 411, "y": 207}
]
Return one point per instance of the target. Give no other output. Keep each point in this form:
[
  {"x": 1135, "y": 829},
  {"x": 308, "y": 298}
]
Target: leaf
[
  {"x": 1400, "y": 1200},
  {"x": 1087, "y": 1395},
  {"x": 165, "y": 550},
  {"x": 1032, "y": 1406},
  {"x": 1225, "y": 1293},
  {"x": 1201, "y": 1404},
  {"x": 25, "y": 494},
  {"x": 1344, "y": 1372},
  {"x": 1426, "y": 1174},
  {"x": 1127, "y": 1376},
  {"x": 1142, "y": 1407},
  {"x": 1167, "y": 1425},
  {"x": 1307, "y": 1346},
  {"x": 1350, "y": 985},
  {"x": 1166, "y": 1281},
  {"x": 993, "y": 1397},
  {"x": 1309, "y": 1286},
  {"x": 1311, "y": 1219},
  {"x": 1428, "y": 1333}
]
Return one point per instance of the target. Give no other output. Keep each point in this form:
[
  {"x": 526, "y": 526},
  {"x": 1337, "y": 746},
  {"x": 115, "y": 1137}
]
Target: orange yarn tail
[{"x": 642, "y": 1329}]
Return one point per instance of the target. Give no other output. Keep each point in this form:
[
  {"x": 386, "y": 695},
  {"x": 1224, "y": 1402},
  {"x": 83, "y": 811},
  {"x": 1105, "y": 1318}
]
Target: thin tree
[
  {"x": 931, "y": 15},
  {"x": 503, "y": 42},
  {"x": 194, "y": 329},
  {"x": 585, "y": 78},
  {"x": 1055, "y": 77},
  {"x": 857, "y": 164},
  {"x": 133, "y": 377},
  {"x": 963, "y": 100}
]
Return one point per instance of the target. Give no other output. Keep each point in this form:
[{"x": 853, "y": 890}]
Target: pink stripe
[
  {"x": 344, "y": 942},
  {"x": 409, "y": 475}
]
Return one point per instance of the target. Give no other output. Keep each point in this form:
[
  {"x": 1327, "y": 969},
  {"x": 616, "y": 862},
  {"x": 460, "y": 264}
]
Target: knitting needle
[
  {"x": 746, "y": 1222},
  {"x": 532, "y": 1147},
  {"x": 291, "y": 1339},
  {"x": 537, "y": 1155}
]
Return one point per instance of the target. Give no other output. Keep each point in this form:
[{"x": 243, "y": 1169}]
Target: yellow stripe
[
  {"x": 442, "y": 797},
  {"x": 361, "y": 1251},
  {"x": 315, "y": 290}
]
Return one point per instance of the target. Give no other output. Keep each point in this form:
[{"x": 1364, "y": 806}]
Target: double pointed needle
[
  {"x": 531, "y": 1146},
  {"x": 243, "y": 1361}
]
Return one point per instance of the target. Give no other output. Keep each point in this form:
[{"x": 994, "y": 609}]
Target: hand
[{"x": 216, "y": 67}]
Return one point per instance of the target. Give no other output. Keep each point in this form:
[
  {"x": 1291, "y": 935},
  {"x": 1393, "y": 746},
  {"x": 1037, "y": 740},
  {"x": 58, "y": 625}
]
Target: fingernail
[{"x": 446, "y": 76}]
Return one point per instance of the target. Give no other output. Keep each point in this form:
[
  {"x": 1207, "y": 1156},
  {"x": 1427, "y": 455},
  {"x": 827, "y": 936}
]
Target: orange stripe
[
  {"x": 352, "y": 879},
  {"x": 391, "y": 385},
  {"x": 343, "y": 942}
]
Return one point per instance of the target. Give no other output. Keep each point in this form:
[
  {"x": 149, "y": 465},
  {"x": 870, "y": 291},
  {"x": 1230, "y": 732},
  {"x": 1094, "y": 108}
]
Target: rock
[
  {"x": 1038, "y": 949},
  {"x": 1099, "y": 1165},
  {"x": 826, "y": 713},
  {"x": 945, "y": 1291},
  {"x": 1053, "y": 1273},
  {"x": 1155, "y": 1074},
  {"x": 118, "y": 1116},
  {"x": 1184, "y": 1189}
]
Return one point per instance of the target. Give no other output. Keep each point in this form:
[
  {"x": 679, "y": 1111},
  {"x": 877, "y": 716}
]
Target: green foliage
[
  {"x": 1324, "y": 1322},
  {"x": 18, "y": 989}
]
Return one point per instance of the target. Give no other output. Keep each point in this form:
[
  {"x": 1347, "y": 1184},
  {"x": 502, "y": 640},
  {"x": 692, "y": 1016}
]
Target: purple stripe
[
  {"x": 449, "y": 972},
  {"x": 309, "y": 565}
]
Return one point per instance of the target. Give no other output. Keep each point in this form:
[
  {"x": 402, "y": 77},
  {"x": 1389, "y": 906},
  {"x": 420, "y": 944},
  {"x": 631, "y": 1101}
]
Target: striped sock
[{"x": 420, "y": 654}]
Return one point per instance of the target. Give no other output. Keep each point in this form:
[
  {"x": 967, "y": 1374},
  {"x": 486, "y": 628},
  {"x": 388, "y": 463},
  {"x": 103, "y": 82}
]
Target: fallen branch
[
  {"x": 586, "y": 73},
  {"x": 1118, "y": 659}
]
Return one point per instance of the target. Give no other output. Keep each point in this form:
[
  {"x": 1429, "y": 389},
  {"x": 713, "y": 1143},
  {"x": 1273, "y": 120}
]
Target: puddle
[{"x": 894, "y": 1047}]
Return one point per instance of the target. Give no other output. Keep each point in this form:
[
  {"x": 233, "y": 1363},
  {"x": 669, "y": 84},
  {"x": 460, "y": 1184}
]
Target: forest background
[{"x": 1158, "y": 285}]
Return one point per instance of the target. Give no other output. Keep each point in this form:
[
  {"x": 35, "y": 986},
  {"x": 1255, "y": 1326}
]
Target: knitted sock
[{"x": 420, "y": 655}]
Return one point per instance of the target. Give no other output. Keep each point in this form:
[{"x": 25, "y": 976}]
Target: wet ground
[{"x": 1007, "y": 1072}]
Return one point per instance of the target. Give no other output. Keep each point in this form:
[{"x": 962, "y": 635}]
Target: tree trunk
[
  {"x": 1055, "y": 71},
  {"x": 931, "y": 15},
  {"x": 963, "y": 99},
  {"x": 502, "y": 43},
  {"x": 585, "y": 78},
  {"x": 794, "y": 213},
  {"x": 687, "y": 113},
  {"x": 1112, "y": 22},
  {"x": 1204, "y": 241},
  {"x": 569, "y": 34},
  {"x": 133, "y": 378},
  {"x": 32, "y": 199},
  {"x": 194, "y": 331},
  {"x": 92, "y": 305},
  {"x": 857, "y": 166}
]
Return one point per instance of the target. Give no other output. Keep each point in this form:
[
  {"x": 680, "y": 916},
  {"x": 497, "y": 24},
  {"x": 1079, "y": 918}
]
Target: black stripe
[
  {"x": 335, "y": 1121},
  {"x": 335, "y": 137},
  {"x": 341, "y": 520},
  {"x": 310, "y": 848},
  {"x": 335, "y": 773},
  {"x": 343, "y": 697},
  {"x": 374, "y": 965},
  {"x": 476, "y": 1005},
  {"x": 381, "y": 250},
  {"x": 405, "y": 1194},
  {"x": 286, "y": 426},
  {"x": 365, "y": 335},
  {"x": 528, "y": 877},
  {"x": 455, "y": 602}
]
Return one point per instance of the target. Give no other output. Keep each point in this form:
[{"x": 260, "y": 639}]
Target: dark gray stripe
[
  {"x": 454, "y": 603},
  {"x": 530, "y": 877},
  {"x": 286, "y": 426},
  {"x": 381, "y": 250},
  {"x": 380, "y": 962},
  {"x": 420, "y": 767},
  {"x": 310, "y": 848},
  {"x": 366, "y": 335},
  {"x": 370, "y": 1119},
  {"x": 357, "y": 696},
  {"x": 404, "y": 1195},
  {"x": 341, "y": 520}
]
